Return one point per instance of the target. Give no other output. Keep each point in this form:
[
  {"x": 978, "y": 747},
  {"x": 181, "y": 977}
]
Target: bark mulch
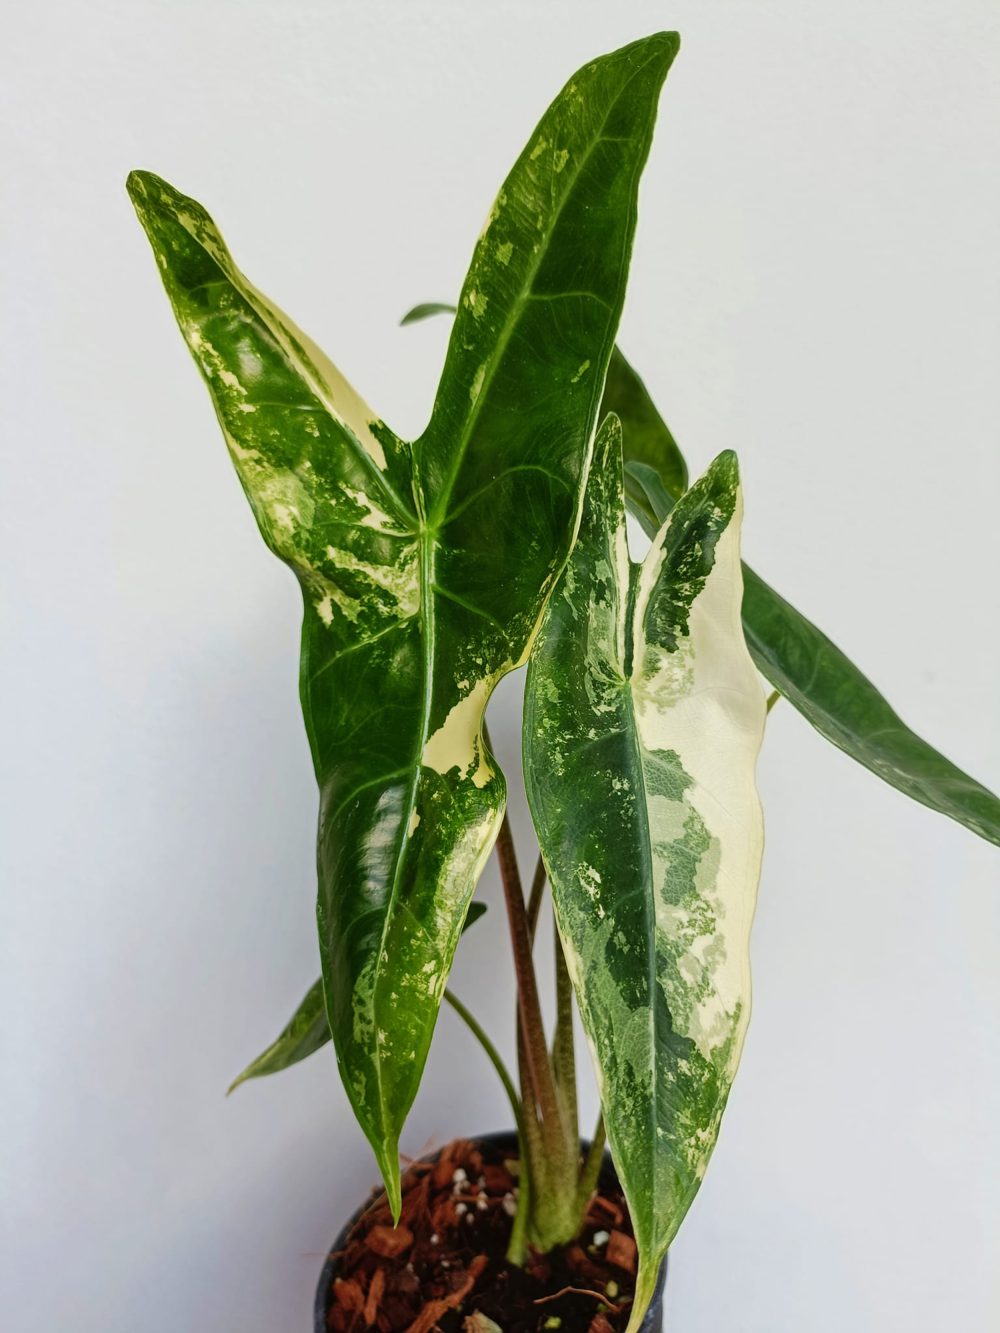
[{"x": 442, "y": 1270}]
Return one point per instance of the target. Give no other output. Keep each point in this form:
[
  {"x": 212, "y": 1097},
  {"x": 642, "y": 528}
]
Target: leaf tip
[
  {"x": 645, "y": 1289},
  {"x": 388, "y": 1164},
  {"x": 139, "y": 185},
  {"x": 250, "y": 1072},
  {"x": 669, "y": 38},
  {"x": 728, "y": 463},
  {"x": 416, "y": 314},
  {"x": 664, "y": 44}
]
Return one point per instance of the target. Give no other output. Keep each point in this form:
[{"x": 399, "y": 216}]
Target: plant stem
[
  {"x": 535, "y": 898},
  {"x": 517, "y": 1246},
  {"x": 536, "y": 1055},
  {"x": 591, "y": 1167},
  {"x": 772, "y": 699},
  {"x": 546, "y": 1213},
  {"x": 532, "y": 1128},
  {"x": 494, "y": 1057},
  {"x": 563, "y": 1053}
]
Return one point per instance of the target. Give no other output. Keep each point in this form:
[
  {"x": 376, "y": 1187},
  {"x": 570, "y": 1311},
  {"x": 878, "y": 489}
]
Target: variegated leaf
[
  {"x": 424, "y": 568},
  {"x": 643, "y": 719},
  {"x": 305, "y": 1033},
  {"x": 834, "y": 695},
  {"x": 646, "y": 437},
  {"x": 308, "y": 1030},
  {"x": 648, "y": 442},
  {"x": 799, "y": 660}
]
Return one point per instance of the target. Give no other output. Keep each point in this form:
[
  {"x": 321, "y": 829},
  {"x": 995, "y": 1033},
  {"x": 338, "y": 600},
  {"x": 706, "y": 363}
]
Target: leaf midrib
[
  {"x": 426, "y": 538},
  {"x": 287, "y": 343},
  {"x": 631, "y": 634},
  {"x": 522, "y": 299},
  {"x": 430, "y": 525}
]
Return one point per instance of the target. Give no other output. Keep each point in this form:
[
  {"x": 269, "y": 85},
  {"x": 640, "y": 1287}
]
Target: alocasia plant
[{"x": 431, "y": 569}]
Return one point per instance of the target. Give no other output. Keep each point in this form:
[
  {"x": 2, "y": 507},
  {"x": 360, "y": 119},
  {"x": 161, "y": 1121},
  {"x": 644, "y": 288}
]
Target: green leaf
[
  {"x": 845, "y": 707},
  {"x": 425, "y": 310},
  {"x": 795, "y": 656},
  {"x": 643, "y": 719},
  {"x": 307, "y": 1030},
  {"x": 414, "y": 606},
  {"x": 648, "y": 441},
  {"x": 839, "y": 700}
]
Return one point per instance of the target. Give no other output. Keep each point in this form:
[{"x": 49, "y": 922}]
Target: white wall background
[{"x": 816, "y": 283}]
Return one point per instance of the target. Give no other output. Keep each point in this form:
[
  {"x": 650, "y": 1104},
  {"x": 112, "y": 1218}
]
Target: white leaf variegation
[
  {"x": 424, "y": 565},
  {"x": 643, "y": 720}
]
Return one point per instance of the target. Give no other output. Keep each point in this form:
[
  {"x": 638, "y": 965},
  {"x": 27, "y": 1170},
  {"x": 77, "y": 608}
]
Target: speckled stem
[
  {"x": 563, "y": 1054},
  {"x": 542, "y": 1085},
  {"x": 535, "y": 898}
]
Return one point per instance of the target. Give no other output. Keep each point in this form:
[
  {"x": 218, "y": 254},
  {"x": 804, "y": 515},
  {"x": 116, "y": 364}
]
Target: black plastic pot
[{"x": 507, "y": 1142}]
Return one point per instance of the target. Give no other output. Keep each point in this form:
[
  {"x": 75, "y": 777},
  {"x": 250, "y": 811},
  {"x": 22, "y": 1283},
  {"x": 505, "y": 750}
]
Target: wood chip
[
  {"x": 581, "y": 1264},
  {"x": 394, "y": 1314},
  {"x": 374, "y": 1297},
  {"x": 608, "y": 1207},
  {"x": 444, "y": 1218},
  {"x": 415, "y": 1201},
  {"x": 599, "y": 1325},
  {"x": 348, "y": 1294},
  {"x": 443, "y": 1172},
  {"x": 498, "y": 1179},
  {"x": 433, "y": 1310},
  {"x": 389, "y": 1241},
  {"x": 621, "y": 1251},
  {"x": 405, "y": 1282}
]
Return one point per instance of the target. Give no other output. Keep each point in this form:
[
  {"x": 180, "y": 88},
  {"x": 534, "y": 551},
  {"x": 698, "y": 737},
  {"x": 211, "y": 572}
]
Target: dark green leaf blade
[
  {"x": 549, "y": 273},
  {"x": 835, "y": 697},
  {"x": 308, "y": 1030},
  {"x": 413, "y": 611},
  {"x": 425, "y": 310},
  {"x": 647, "y": 440},
  {"x": 331, "y": 489},
  {"x": 304, "y": 1033},
  {"x": 643, "y": 718},
  {"x": 844, "y": 706}
]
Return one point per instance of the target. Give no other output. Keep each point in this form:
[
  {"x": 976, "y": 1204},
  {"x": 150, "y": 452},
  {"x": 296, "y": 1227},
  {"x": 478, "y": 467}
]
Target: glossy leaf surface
[
  {"x": 304, "y": 1033},
  {"x": 839, "y": 700},
  {"x": 795, "y": 655},
  {"x": 414, "y": 609},
  {"x": 308, "y": 1030},
  {"x": 647, "y": 439},
  {"x": 643, "y": 719}
]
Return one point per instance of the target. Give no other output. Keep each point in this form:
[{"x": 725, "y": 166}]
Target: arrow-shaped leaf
[
  {"x": 793, "y": 653},
  {"x": 643, "y": 719},
  {"x": 304, "y": 1033},
  {"x": 839, "y": 700},
  {"x": 307, "y": 1029},
  {"x": 415, "y": 605},
  {"x": 647, "y": 439}
]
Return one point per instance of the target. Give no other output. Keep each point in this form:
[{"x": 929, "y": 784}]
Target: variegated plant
[
  {"x": 428, "y": 571},
  {"x": 641, "y": 681}
]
